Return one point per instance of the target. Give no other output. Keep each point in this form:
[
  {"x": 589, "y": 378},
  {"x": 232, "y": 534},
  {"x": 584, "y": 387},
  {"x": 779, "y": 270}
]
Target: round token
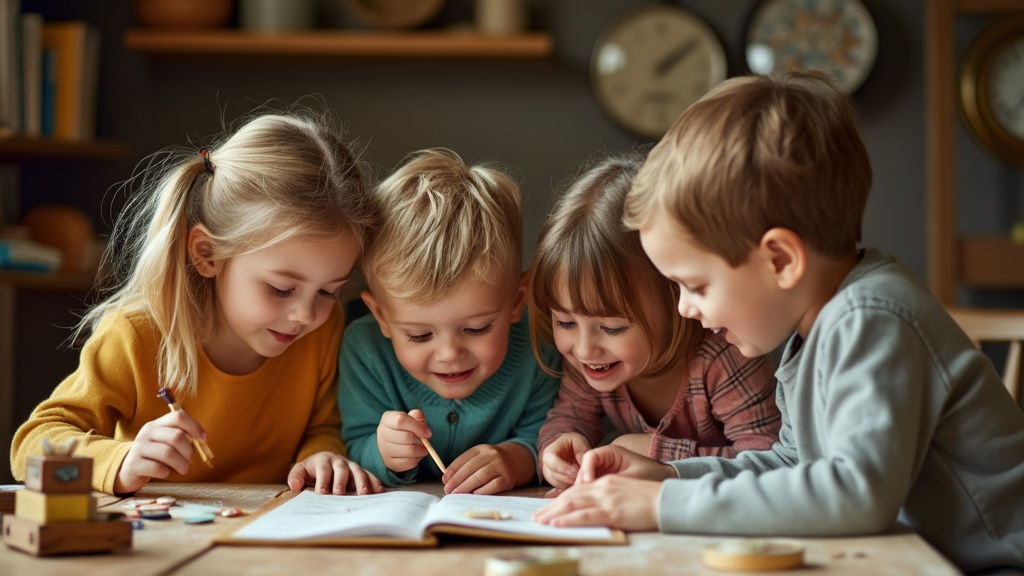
[
  {"x": 751, "y": 555},
  {"x": 167, "y": 500},
  {"x": 231, "y": 512},
  {"x": 155, "y": 514},
  {"x": 203, "y": 518},
  {"x": 152, "y": 507}
]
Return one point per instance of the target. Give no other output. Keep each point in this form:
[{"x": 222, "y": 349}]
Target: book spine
[
  {"x": 48, "y": 99},
  {"x": 68, "y": 39},
  {"x": 31, "y": 72}
]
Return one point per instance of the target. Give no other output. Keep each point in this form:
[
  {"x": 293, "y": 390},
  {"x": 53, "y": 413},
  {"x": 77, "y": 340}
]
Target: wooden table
[{"x": 173, "y": 547}]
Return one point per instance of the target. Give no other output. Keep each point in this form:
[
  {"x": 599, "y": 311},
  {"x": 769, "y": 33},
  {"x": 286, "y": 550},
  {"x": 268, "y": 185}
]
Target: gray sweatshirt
[{"x": 888, "y": 413}]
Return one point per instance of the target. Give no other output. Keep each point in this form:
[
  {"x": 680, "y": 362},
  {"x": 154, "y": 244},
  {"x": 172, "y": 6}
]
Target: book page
[
  {"x": 312, "y": 515},
  {"x": 515, "y": 513}
]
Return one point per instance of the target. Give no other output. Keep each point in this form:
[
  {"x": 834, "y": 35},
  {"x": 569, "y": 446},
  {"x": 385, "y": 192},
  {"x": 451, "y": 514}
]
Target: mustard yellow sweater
[{"x": 258, "y": 425}]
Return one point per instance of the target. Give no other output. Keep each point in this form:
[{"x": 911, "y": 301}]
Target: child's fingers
[
  {"x": 320, "y": 470},
  {"x": 182, "y": 420},
  {"x": 297, "y": 477},
  {"x": 400, "y": 421},
  {"x": 342, "y": 470}
]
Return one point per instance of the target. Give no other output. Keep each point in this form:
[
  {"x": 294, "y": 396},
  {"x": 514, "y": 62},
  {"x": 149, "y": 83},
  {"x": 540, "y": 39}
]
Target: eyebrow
[{"x": 299, "y": 277}]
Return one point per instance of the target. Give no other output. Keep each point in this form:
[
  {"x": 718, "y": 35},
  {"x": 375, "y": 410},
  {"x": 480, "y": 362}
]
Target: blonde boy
[
  {"x": 753, "y": 203},
  {"x": 446, "y": 355}
]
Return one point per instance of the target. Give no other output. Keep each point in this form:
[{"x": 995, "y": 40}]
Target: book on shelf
[
  {"x": 10, "y": 97},
  {"x": 31, "y": 73},
  {"x": 405, "y": 519},
  {"x": 75, "y": 52}
]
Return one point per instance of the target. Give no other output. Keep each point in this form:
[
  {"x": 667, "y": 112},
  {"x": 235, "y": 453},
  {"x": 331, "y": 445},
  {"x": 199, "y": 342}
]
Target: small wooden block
[
  {"x": 53, "y": 508},
  {"x": 69, "y": 538},
  {"x": 58, "y": 474},
  {"x": 7, "y": 497}
]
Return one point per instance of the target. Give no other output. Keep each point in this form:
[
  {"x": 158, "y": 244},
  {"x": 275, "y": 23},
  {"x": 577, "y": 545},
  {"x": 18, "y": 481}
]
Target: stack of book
[{"x": 48, "y": 75}]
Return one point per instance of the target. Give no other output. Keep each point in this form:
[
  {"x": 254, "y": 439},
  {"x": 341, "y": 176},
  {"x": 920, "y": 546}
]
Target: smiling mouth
[
  {"x": 282, "y": 337},
  {"x": 600, "y": 368},
  {"x": 454, "y": 376}
]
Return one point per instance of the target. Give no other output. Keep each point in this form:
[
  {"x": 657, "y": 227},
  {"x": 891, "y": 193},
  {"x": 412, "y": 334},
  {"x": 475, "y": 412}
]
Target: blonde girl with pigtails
[{"x": 224, "y": 269}]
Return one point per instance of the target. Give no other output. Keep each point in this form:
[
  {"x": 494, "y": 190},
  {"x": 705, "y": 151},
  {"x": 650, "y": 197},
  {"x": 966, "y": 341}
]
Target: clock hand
[{"x": 674, "y": 57}]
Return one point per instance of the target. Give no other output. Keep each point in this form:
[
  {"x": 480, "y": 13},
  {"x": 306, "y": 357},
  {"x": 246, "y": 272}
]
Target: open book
[{"x": 403, "y": 519}]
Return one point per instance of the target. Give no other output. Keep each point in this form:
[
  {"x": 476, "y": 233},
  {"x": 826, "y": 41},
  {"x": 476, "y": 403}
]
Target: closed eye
[
  {"x": 565, "y": 325},
  {"x": 420, "y": 337},
  {"x": 278, "y": 292},
  {"x": 330, "y": 295},
  {"x": 696, "y": 290},
  {"x": 614, "y": 331},
  {"x": 480, "y": 331}
]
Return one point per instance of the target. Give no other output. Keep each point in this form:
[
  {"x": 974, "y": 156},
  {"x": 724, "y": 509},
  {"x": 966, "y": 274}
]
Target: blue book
[{"x": 48, "y": 111}]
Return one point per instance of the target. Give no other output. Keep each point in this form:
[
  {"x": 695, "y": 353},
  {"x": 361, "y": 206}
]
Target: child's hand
[
  {"x": 398, "y": 439},
  {"x": 614, "y": 501},
  {"x": 639, "y": 443},
  {"x": 486, "y": 469},
  {"x": 162, "y": 446},
  {"x": 618, "y": 460},
  {"x": 332, "y": 472},
  {"x": 560, "y": 460}
]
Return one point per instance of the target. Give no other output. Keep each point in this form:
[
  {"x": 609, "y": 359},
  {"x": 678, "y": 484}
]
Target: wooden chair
[{"x": 994, "y": 325}]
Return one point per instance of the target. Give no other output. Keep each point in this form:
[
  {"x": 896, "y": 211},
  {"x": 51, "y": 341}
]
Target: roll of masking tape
[
  {"x": 535, "y": 562},
  {"x": 753, "y": 555}
]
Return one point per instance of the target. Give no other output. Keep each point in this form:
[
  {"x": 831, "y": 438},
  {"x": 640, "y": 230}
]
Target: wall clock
[
  {"x": 836, "y": 37},
  {"x": 991, "y": 89},
  {"x": 650, "y": 63}
]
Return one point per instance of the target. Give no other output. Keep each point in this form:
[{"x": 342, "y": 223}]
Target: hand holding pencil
[
  {"x": 402, "y": 440},
  {"x": 204, "y": 451}
]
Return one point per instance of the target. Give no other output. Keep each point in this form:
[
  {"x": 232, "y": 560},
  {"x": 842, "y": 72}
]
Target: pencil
[
  {"x": 204, "y": 451},
  {"x": 433, "y": 454}
]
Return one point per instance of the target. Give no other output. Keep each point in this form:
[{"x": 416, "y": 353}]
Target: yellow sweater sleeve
[{"x": 94, "y": 400}]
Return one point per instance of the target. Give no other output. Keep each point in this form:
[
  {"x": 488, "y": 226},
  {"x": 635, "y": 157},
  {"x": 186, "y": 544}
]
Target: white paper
[{"x": 401, "y": 515}]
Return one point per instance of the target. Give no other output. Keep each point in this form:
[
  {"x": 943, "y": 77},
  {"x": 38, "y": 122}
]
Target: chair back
[{"x": 995, "y": 325}]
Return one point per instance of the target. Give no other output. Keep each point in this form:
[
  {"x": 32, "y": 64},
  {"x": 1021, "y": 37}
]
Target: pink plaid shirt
[{"x": 725, "y": 405}]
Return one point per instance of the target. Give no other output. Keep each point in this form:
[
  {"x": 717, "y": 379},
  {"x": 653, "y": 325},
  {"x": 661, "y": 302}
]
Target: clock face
[
  {"x": 991, "y": 91},
  {"x": 1005, "y": 89},
  {"x": 652, "y": 63},
  {"x": 835, "y": 37}
]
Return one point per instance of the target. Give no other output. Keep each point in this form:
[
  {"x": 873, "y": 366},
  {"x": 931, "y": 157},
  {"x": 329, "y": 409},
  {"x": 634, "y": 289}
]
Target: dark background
[{"x": 537, "y": 117}]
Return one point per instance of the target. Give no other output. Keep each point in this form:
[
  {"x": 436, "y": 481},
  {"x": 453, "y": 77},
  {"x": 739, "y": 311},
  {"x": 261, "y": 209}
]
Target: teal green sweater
[{"x": 510, "y": 406}]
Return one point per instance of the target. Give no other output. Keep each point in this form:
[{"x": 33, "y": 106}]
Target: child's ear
[
  {"x": 200, "y": 252},
  {"x": 788, "y": 256},
  {"x": 375, "y": 309},
  {"x": 520, "y": 302}
]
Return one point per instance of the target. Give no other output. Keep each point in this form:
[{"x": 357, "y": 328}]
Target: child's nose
[
  {"x": 687, "y": 309},
  {"x": 586, "y": 345},
  {"x": 448, "y": 349},
  {"x": 302, "y": 312}
]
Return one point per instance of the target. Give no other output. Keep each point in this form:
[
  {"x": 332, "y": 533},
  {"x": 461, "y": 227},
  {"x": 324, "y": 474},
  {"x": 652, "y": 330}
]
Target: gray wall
[{"x": 537, "y": 117}]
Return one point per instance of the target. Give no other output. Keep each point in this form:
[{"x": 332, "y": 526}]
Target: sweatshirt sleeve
[
  {"x": 864, "y": 412},
  {"x": 543, "y": 389},
  {"x": 323, "y": 433},
  {"x": 578, "y": 408},
  {"x": 364, "y": 394},
  {"x": 91, "y": 402}
]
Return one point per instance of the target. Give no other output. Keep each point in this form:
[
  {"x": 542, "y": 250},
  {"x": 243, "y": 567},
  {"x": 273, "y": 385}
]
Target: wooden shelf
[
  {"x": 991, "y": 262},
  {"x": 18, "y": 148},
  {"x": 418, "y": 44},
  {"x": 48, "y": 281}
]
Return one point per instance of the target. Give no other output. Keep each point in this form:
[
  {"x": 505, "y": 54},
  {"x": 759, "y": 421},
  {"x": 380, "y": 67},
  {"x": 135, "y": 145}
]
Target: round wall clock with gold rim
[
  {"x": 651, "y": 63},
  {"x": 991, "y": 89}
]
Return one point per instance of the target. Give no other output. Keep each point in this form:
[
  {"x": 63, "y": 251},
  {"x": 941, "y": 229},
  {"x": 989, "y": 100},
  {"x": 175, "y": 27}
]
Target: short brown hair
[
  {"x": 584, "y": 246},
  {"x": 755, "y": 153}
]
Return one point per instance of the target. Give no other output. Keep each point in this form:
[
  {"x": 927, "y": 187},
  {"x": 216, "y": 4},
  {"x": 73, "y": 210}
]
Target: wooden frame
[{"x": 952, "y": 260}]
